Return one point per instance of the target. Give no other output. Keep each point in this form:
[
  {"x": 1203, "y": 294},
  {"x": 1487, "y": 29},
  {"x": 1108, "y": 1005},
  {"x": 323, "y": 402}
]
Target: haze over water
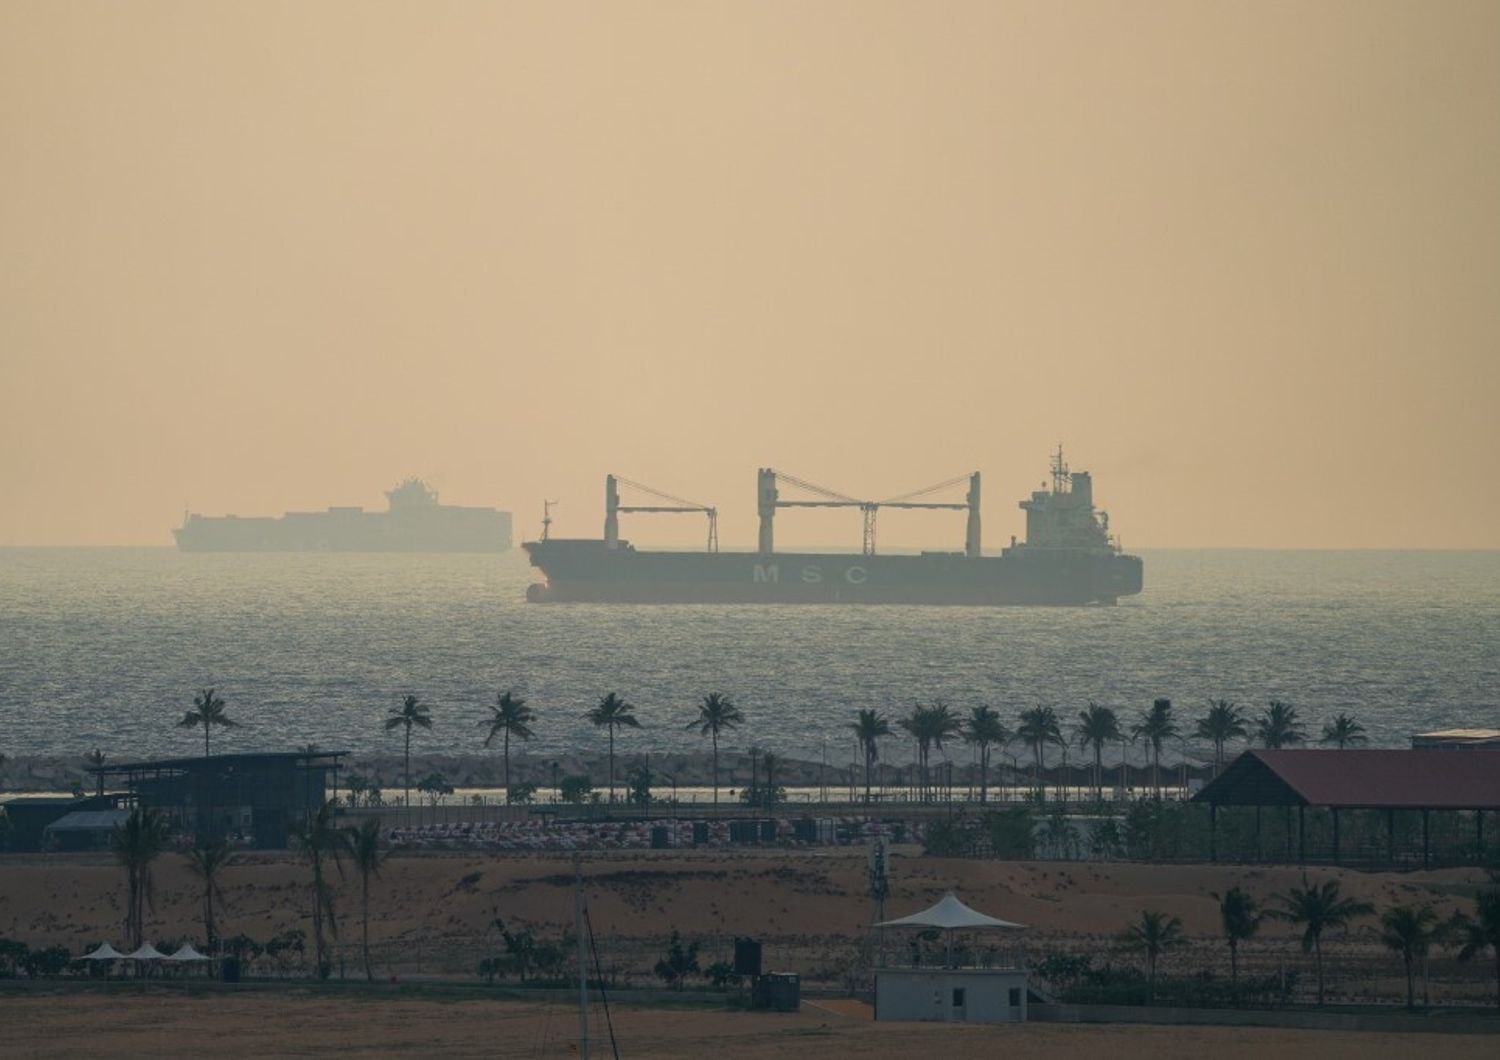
[{"x": 105, "y": 647}]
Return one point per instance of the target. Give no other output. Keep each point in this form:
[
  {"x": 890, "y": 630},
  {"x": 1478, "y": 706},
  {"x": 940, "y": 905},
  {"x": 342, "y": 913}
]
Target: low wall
[{"x": 1388, "y": 1022}]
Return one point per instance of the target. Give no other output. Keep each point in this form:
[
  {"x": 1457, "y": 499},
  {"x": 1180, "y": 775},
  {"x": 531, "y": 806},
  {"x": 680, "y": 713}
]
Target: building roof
[
  {"x": 198, "y": 762},
  {"x": 1363, "y": 779},
  {"x": 88, "y": 821}
]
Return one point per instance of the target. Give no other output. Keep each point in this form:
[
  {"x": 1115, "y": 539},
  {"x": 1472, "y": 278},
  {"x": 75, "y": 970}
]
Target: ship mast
[
  {"x": 547, "y": 519},
  {"x": 1060, "y": 479}
]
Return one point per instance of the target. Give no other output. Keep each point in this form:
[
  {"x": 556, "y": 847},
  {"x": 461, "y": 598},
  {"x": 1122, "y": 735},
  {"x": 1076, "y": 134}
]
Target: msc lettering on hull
[{"x": 812, "y": 574}]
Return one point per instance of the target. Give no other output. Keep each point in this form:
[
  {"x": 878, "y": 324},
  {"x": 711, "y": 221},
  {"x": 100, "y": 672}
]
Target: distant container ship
[
  {"x": 1068, "y": 557},
  {"x": 415, "y": 522}
]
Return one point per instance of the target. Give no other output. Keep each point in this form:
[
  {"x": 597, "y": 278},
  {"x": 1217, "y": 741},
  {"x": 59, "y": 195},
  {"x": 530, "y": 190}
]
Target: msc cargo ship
[
  {"x": 1068, "y": 557},
  {"x": 414, "y": 522}
]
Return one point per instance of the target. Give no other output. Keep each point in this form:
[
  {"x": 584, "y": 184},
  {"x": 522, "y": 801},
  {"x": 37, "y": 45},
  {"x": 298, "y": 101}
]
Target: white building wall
[{"x": 928, "y": 995}]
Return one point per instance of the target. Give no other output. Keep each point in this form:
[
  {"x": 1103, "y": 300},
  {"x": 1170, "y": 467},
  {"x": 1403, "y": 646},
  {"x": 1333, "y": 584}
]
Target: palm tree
[
  {"x": 208, "y": 710},
  {"x": 1097, "y": 726},
  {"x": 1343, "y": 731},
  {"x": 1318, "y": 908},
  {"x": 319, "y": 839},
  {"x": 983, "y": 729},
  {"x": 868, "y": 730},
  {"x": 942, "y": 723},
  {"x": 410, "y": 713},
  {"x": 136, "y": 843},
  {"x": 1410, "y": 931},
  {"x": 510, "y": 714},
  {"x": 1240, "y": 919},
  {"x": 207, "y": 860},
  {"x": 1278, "y": 726},
  {"x": 1223, "y": 722},
  {"x": 1155, "y": 727},
  {"x": 716, "y": 713},
  {"x": 918, "y": 725},
  {"x": 1481, "y": 931},
  {"x": 1039, "y": 727},
  {"x": 1153, "y": 934},
  {"x": 364, "y": 850},
  {"x": 613, "y": 713}
]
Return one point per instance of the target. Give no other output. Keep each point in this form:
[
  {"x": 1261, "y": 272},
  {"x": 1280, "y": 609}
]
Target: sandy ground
[
  {"x": 433, "y": 914},
  {"x": 72, "y": 1025}
]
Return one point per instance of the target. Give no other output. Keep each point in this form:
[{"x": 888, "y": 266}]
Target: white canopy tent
[
  {"x": 147, "y": 952},
  {"x": 105, "y": 952},
  {"x": 951, "y": 915},
  {"x": 187, "y": 953}
]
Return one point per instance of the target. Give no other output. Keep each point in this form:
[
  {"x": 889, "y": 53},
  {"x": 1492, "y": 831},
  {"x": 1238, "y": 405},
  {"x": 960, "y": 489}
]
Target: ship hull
[
  {"x": 585, "y": 571},
  {"x": 473, "y": 530}
]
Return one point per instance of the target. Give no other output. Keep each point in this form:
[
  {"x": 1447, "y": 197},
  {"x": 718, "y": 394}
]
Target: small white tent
[
  {"x": 105, "y": 952},
  {"x": 949, "y": 914},
  {"x": 147, "y": 952},
  {"x": 187, "y": 953}
]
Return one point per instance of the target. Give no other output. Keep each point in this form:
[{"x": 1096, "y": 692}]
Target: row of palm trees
[
  {"x": 510, "y": 716},
  {"x": 1410, "y": 931},
  {"x": 145, "y": 836},
  {"x": 1095, "y": 728}
]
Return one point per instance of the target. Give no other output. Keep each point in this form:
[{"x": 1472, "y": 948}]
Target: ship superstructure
[
  {"x": 414, "y": 522},
  {"x": 1068, "y": 556}
]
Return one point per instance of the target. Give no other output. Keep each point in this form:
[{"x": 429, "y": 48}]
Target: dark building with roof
[
  {"x": 257, "y": 799},
  {"x": 29, "y": 817},
  {"x": 1418, "y": 796}
]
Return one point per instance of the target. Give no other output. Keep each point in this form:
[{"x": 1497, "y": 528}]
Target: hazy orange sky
[{"x": 1243, "y": 259}]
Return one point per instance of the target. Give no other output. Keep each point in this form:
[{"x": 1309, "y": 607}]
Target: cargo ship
[
  {"x": 1067, "y": 558},
  {"x": 413, "y": 522}
]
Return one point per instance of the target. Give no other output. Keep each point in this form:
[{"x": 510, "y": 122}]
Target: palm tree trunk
[
  {"x": 407, "y": 775},
  {"x": 507, "y": 767},
  {"x": 1411, "y": 997},
  {"x": 365, "y": 926},
  {"x": 1234, "y": 962},
  {"x": 715, "y": 735},
  {"x": 984, "y": 773},
  {"x": 868, "y": 761},
  {"x": 1098, "y": 771},
  {"x": 611, "y": 763},
  {"x": 205, "y": 739},
  {"x": 1318, "y": 960}
]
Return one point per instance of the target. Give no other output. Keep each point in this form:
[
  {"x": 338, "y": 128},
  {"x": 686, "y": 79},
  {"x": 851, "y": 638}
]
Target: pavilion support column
[
  {"x": 1335, "y": 835},
  {"x": 1424, "y": 837},
  {"x": 1213, "y": 831},
  {"x": 1302, "y": 835}
]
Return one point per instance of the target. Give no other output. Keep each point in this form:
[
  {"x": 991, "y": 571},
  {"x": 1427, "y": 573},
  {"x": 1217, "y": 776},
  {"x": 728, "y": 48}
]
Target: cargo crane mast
[
  {"x": 612, "y": 508},
  {"x": 769, "y": 500}
]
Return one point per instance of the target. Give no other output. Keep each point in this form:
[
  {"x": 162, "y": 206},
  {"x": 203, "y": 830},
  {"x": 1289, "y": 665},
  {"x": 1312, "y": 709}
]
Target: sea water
[{"x": 105, "y": 648}]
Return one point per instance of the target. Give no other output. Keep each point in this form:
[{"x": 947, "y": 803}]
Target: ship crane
[
  {"x": 769, "y": 500},
  {"x": 613, "y": 508}
]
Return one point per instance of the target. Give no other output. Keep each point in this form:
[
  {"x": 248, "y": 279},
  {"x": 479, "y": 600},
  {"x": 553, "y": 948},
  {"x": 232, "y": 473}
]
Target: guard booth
[{"x": 957, "y": 987}]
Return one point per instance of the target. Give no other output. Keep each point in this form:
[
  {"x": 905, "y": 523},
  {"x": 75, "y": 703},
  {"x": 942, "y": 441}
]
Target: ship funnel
[
  {"x": 971, "y": 535},
  {"x": 765, "y": 497}
]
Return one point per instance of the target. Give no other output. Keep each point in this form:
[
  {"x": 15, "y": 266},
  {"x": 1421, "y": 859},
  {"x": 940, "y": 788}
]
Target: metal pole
[{"x": 583, "y": 982}]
